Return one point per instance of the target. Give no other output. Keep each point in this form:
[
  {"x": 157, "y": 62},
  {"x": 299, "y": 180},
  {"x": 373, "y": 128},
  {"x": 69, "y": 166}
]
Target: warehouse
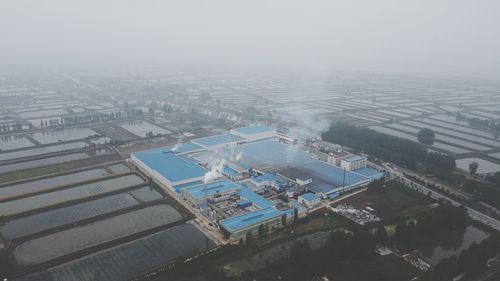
[
  {"x": 198, "y": 194},
  {"x": 309, "y": 199},
  {"x": 253, "y": 133},
  {"x": 269, "y": 179},
  {"x": 217, "y": 141},
  {"x": 297, "y": 165},
  {"x": 167, "y": 168},
  {"x": 238, "y": 227}
]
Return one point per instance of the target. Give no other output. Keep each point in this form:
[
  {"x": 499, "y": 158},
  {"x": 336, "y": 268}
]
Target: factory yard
[
  {"x": 359, "y": 216},
  {"x": 391, "y": 204}
]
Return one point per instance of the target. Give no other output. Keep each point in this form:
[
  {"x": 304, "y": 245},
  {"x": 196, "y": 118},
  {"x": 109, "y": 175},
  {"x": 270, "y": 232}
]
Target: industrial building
[
  {"x": 243, "y": 194},
  {"x": 310, "y": 200},
  {"x": 353, "y": 162}
]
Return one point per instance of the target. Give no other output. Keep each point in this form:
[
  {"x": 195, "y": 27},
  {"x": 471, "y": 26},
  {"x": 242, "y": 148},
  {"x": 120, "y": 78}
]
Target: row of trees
[
  {"x": 425, "y": 229},
  {"x": 353, "y": 253},
  {"x": 14, "y": 127},
  {"x": 89, "y": 118},
  {"x": 338, "y": 253},
  {"x": 491, "y": 125},
  {"x": 488, "y": 192},
  {"x": 393, "y": 149}
]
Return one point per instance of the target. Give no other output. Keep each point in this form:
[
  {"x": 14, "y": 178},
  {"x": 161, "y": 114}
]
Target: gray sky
[{"x": 437, "y": 37}]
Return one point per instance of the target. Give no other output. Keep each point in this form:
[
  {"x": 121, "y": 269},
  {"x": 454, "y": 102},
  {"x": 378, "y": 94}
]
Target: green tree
[
  {"x": 283, "y": 220},
  {"x": 261, "y": 234},
  {"x": 249, "y": 240},
  {"x": 426, "y": 136},
  {"x": 473, "y": 167},
  {"x": 381, "y": 235}
]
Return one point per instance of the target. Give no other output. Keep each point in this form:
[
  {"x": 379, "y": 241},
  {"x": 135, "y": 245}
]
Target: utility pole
[{"x": 343, "y": 181}]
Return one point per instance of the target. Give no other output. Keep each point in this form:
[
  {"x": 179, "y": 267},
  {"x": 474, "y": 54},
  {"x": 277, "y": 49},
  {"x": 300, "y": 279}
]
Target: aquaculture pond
[
  {"x": 74, "y": 193},
  {"x": 75, "y": 239},
  {"x": 123, "y": 262}
]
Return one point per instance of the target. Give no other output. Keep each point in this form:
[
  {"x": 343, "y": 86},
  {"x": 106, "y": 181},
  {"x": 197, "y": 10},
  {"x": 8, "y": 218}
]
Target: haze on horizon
[{"x": 442, "y": 38}]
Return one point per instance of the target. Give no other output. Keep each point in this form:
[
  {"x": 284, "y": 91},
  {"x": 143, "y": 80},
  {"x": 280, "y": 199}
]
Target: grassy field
[{"x": 392, "y": 203}]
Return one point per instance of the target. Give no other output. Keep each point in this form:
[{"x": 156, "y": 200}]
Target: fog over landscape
[
  {"x": 259, "y": 140},
  {"x": 446, "y": 38}
]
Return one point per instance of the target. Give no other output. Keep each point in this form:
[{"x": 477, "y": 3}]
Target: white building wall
[
  {"x": 308, "y": 203},
  {"x": 352, "y": 165}
]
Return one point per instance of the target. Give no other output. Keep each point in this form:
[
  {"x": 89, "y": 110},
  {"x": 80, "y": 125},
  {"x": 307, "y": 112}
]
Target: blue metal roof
[
  {"x": 185, "y": 147},
  {"x": 170, "y": 166},
  {"x": 310, "y": 196},
  {"x": 212, "y": 188},
  {"x": 216, "y": 140},
  {"x": 370, "y": 172},
  {"x": 252, "y": 218},
  {"x": 180, "y": 187},
  {"x": 231, "y": 172},
  {"x": 249, "y": 130},
  {"x": 254, "y": 197},
  {"x": 294, "y": 163}
]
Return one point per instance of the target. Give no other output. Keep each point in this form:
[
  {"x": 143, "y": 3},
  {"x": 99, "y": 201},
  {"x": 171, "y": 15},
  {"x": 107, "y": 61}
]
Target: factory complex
[{"x": 247, "y": 177}]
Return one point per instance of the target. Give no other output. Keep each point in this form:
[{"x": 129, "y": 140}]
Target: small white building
[
  {"x": 309, "y": 200},
  {"x": 353, "y": 162},
  {"x": 286, "y": 138},
  {"x": 335, "y": 158}
]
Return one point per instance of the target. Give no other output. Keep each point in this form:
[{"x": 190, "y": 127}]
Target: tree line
[{"x": 403, "y": 152}]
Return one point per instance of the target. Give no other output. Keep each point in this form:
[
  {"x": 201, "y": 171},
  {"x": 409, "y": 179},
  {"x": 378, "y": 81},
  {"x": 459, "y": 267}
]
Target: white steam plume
[
  {"x": 216, "y": 168},
  {"x": 238, "y": 156},
  {"x": 177, "y": 145}
]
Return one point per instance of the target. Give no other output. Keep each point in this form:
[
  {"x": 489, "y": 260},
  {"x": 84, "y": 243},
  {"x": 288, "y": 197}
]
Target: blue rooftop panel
[
  {"x": 310, "y": 196},
  {"x": 182, "y": 148},
  {"x": 212, "y": 188},
  {"x": 230, "y": 171},
  {"x": 249, "y": 219},
  {"x": 186, "y": 147},
  {"x": 180, "y": 187},
  {"x": 170, "y": 166},
  {"x": 216, "y": 140},
  {"x": 293, "y": 163},
  {"x": 250, "y": 130},
  {"x": 370, "y": 172},
  {"x": 254, "y": 197}
]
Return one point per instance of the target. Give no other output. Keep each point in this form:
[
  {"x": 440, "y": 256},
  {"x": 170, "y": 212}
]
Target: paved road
[{"x": 492, "y": 222}]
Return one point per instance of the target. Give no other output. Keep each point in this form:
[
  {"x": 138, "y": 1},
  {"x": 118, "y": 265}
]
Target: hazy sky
[{"x": 444, "y": 37}]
